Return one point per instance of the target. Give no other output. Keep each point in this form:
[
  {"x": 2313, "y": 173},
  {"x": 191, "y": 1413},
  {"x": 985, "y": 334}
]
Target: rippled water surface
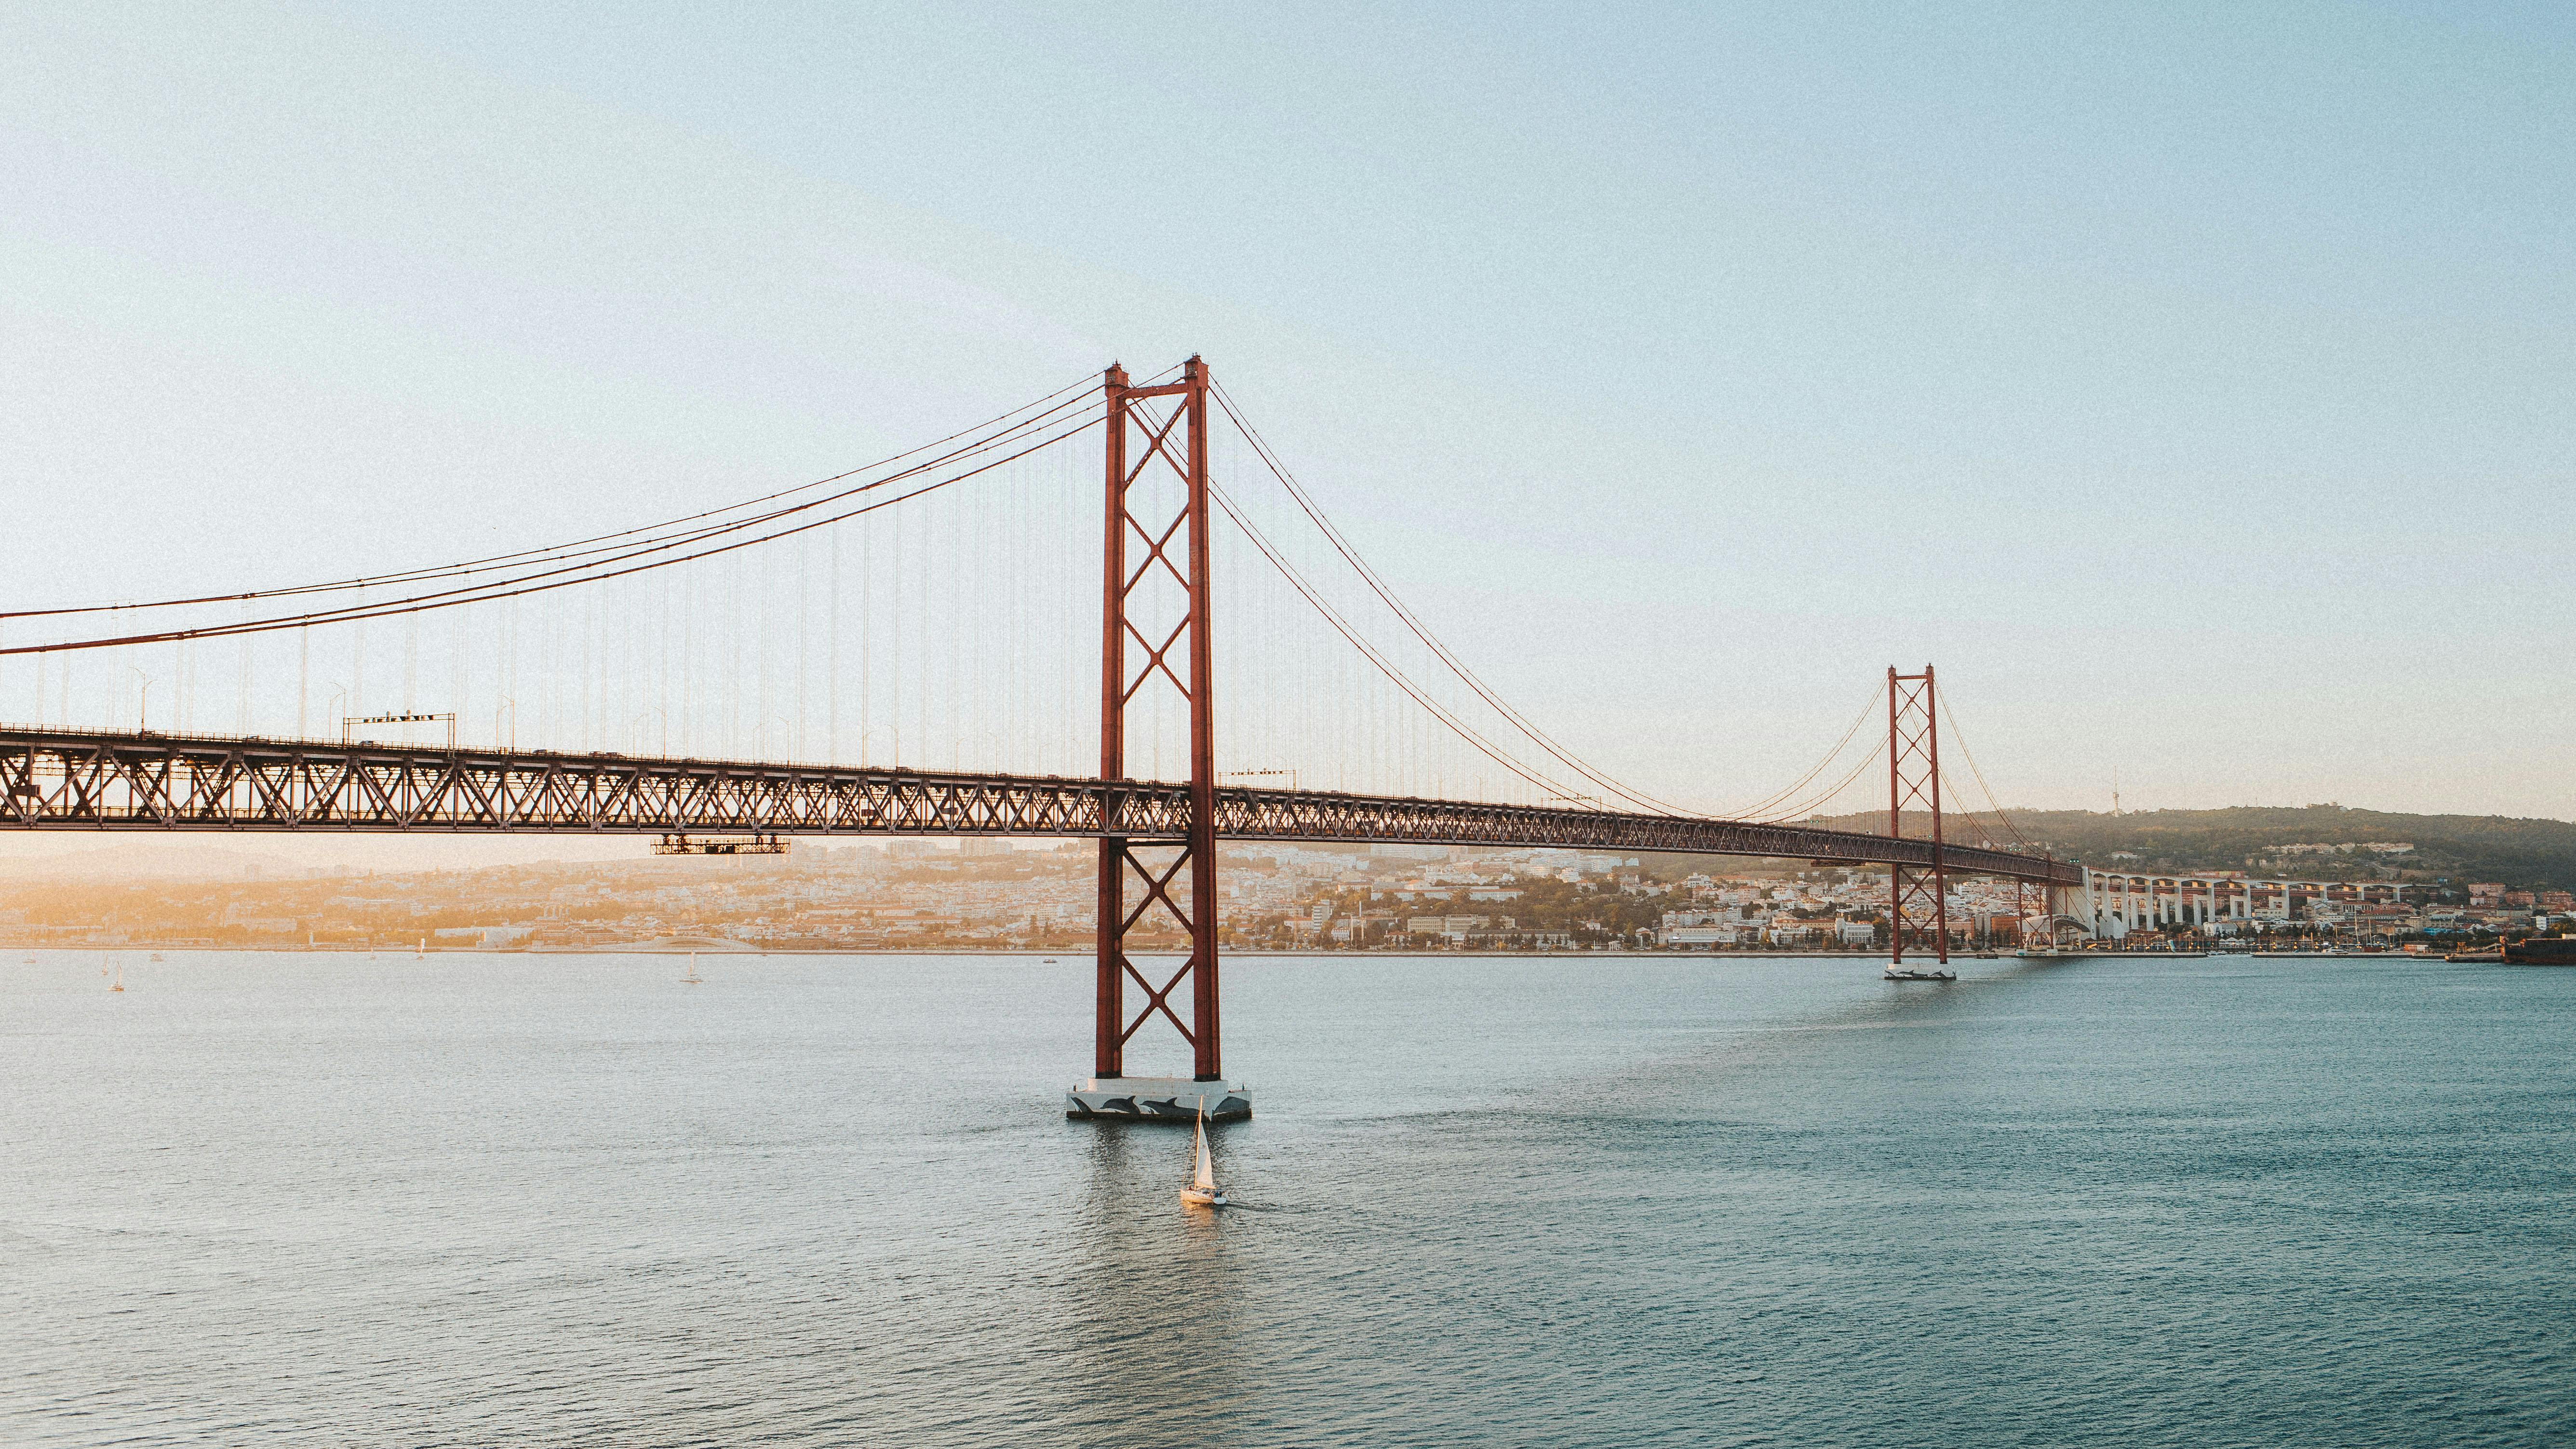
[{"x": 472, "y": 1199}]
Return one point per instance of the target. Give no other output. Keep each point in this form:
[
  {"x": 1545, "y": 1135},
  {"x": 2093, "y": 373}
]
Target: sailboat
[
  {"x": 1203, "y": 1191},
  {"x": 693, "y": 978},
  {"x": 120, "y": 977}
]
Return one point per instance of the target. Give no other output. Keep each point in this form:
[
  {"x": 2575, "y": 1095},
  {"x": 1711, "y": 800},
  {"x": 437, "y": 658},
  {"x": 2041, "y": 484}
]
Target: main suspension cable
[
  {"x": 1369, "y": 651},
  {"x": 589, "y": 573},
  {"x": 1814, "y": 803},
  {"x": 1971, "y": 757},
  {"x": 1417, "y": 628},
  {"x": 1819, "y": 767},
  {"x": 606, "y": 542}
]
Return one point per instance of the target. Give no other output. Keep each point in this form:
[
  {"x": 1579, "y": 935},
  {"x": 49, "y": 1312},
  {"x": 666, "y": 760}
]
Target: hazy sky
[{"x": 2192, "y": 384}]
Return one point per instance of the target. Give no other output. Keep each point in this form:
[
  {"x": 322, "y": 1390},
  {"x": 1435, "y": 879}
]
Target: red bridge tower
[
  {"x": 1919, "y": 896},
  {"x": 1154, "y": 595}
]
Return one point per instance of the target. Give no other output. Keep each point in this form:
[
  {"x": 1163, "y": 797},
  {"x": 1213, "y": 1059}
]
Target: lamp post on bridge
[{"x": 871, "y": 732}]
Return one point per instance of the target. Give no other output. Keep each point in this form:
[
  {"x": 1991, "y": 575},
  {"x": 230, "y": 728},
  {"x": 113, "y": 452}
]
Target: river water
[{"x": 485, "y": 1199}]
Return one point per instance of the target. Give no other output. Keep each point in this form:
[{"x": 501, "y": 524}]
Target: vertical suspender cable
[
  {"x": 894, "y": 639},
  {"x": 733, "y": 663},
  {"x": 582, "y": 670},
  {"x": 923, "y": 630},
  {"x": 764, "y": 595},
  {"x": 688, "y": 586},
  {"x": 511, "y": 669},
  {"x": 832, "y": 651},
  {"x": 963, "y": 692},
  {"x": 460, "y": 650},
  {"x": 358, "y": 665},
  {"x": 867, "y": 629},
  {"x": 804, "y": 613},
  {"x": 662, "y": 667}
]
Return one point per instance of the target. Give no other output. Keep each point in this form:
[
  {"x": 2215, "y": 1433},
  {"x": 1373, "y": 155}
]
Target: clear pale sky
[{"x": 2192, "y": 384}]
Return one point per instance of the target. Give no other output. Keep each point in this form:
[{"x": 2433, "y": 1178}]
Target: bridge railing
[{"x": 94, "y": 780}]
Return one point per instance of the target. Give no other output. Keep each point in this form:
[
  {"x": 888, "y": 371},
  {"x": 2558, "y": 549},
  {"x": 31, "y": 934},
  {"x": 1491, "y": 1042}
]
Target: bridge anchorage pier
[
  {"x": 1138, "y": 602},
  {"x": 1157, "y": 1099}
]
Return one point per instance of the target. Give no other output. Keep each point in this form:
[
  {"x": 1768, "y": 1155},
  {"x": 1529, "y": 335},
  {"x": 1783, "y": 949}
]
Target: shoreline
[{"x": 647, "y": 949}]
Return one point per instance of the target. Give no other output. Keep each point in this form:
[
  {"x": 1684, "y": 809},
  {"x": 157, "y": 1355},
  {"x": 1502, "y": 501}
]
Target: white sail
[{"x": 1206, "y": 1180}]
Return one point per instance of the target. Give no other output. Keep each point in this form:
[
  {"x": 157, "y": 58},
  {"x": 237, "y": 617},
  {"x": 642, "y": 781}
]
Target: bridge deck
[{"x": 90, "y": 780}]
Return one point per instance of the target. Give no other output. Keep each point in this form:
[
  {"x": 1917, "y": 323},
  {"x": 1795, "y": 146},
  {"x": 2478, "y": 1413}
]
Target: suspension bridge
[{"x": 901, "y": 650}]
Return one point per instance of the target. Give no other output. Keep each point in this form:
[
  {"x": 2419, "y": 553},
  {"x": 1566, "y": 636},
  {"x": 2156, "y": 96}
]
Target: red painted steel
[
  {"x": 1110, "y": 1008},
  {"x": 1202, "y": 849},
  {"x": 52, "y": 780},
  {"x": 1118, "y": 687},
  {"x": 1917, "y": 896}
]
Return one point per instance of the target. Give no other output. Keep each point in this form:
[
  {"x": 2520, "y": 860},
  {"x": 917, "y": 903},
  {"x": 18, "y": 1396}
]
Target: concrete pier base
[{"x": 1158, "y": 1099}]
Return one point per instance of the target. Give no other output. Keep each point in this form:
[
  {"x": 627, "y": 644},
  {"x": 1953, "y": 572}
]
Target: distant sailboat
[
  {"x": 120, "y": 977},
  {"x": 420, "y": 950},
  {"x": 1203, "y": 1191},
  {"x": 693, "y": 978}
]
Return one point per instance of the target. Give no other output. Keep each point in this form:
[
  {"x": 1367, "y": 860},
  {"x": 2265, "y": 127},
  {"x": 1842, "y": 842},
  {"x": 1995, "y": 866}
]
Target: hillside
[{"x": 2519, "y": 852}]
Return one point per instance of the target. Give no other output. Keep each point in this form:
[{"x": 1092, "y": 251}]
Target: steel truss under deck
[{"x": 86, "y": 780}]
